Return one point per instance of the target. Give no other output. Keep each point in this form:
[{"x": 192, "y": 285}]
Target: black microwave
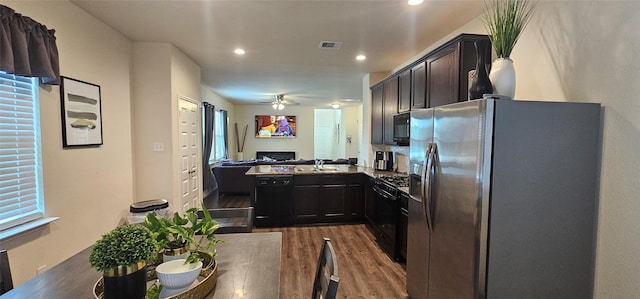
[{"x": 401, "y": 125}]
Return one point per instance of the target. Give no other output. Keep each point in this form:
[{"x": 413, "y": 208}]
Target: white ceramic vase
[
  {"x": 503, "y": 77},
  {"x": 240, "y": 156}
]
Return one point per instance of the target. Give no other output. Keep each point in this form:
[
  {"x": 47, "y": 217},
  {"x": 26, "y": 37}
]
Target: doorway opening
[{"x": 328, "y": 134}]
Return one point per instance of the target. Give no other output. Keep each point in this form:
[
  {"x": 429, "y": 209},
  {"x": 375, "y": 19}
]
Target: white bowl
[{"x": 176, "y": 274}]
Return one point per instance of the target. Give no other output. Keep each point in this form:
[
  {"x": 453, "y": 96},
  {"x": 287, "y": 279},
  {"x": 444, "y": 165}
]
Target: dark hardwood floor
[
  {"x": 232, "y": 201},
  {"x": 365, "y": 271}
]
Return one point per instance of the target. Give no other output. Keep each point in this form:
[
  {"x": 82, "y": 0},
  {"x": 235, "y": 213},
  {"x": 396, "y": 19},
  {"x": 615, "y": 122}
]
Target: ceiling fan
[{"x": 280, "y": 102}]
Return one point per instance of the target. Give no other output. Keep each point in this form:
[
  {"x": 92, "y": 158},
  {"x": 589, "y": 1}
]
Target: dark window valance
[{"x": 28, "y": 48}]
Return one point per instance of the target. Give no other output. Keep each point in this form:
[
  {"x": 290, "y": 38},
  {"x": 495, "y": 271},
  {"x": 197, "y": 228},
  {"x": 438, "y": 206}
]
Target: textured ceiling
[{"x": 281, "y": 40}]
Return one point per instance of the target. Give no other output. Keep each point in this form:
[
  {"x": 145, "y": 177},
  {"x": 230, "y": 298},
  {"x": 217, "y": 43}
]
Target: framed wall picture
[{"x": 81, "y": 113}]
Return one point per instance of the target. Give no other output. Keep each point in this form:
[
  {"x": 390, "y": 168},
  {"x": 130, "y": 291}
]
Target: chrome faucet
[{"x": 319, "y": 164}]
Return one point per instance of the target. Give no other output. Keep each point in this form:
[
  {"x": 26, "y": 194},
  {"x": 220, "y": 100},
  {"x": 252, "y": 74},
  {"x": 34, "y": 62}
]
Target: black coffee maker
[{"x": 383, "y": 160}]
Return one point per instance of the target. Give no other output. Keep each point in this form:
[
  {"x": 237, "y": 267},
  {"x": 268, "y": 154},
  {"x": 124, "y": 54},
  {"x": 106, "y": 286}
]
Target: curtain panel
[
  {"x": 210, "y": 186},
  {"x": 28, "y": 48},
  {"x": 226, "y": 133}
]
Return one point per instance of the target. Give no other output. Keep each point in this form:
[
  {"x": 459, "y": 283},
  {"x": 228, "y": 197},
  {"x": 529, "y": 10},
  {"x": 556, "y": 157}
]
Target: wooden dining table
[{"x": 248, "y": 267}]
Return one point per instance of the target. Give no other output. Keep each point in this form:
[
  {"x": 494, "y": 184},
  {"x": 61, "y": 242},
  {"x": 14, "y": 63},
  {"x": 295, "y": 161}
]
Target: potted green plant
[
  {"x": 187, "y": 232},
  {"x": 121, "y": 255},
  {"x": 505, "y": 20}
]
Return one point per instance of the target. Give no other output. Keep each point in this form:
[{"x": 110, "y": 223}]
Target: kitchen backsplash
[{"x": 402, "y": 158}]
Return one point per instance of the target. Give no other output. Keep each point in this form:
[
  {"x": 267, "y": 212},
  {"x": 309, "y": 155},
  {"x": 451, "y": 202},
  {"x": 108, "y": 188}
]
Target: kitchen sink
[
  {"x": 331, "y": 168},
  {"x": 313, "y": 169}
]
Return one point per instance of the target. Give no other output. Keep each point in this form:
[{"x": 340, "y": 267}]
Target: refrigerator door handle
[
  {"x": 426, "y": 202},
  {"x": 433, "y": 156},
  {"x": 423, "y": 186},
  {"x": 423, "y": 172}
]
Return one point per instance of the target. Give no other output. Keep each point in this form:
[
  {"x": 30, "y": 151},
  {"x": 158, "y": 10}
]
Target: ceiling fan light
[
  {"x": 335, "y": 106},
  {"x": 275, "y": 105},
  {"x": 280, "y": 106}
]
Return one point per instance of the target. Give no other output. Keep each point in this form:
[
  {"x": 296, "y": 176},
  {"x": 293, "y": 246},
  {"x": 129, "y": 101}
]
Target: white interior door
[{"x": 190, "y": 140}]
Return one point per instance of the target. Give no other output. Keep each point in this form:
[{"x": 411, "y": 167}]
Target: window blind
[{"x": 20, "y": 171}]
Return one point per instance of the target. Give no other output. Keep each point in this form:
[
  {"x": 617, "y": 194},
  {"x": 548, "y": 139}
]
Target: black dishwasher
[{"x": 274, "y": 201}]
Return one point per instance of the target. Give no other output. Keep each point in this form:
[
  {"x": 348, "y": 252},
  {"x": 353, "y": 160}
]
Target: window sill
[{"x": 20, "y": 229}]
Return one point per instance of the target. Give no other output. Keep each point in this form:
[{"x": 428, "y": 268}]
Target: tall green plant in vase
[
  {"x": 191, "y": 233},
  {"x": 504, "y": 21}
]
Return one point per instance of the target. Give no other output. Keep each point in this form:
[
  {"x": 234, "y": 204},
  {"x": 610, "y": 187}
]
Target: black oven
[{"x": 387, "y": 208}]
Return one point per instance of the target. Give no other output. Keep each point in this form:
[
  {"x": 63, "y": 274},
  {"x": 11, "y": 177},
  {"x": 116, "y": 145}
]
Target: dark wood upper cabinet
[
  {"x": 438, "y": 78},
  {"x": 404, "y": 92},
  {"x": 442, "y": 77},
  {"x": 390, "y": 106},
  {"x": 376, "y": 114},
  {"x": 419, "y": 86}
]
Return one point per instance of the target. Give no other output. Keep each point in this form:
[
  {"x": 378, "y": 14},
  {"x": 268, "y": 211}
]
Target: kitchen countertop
[
  {"x": 310, "y": 170},
  {"x": 404, "y": 189},
  {"x": 327, "y": 169}
]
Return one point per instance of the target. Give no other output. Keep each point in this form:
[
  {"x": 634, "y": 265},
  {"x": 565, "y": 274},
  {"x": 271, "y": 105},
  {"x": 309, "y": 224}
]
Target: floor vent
[{"x": 330, "y": 45}]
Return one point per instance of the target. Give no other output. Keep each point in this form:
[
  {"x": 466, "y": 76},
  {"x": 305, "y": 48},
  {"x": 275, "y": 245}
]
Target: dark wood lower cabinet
[
  {"x": 328, "y": 198},
  {"x": 306, "y": 204},
  {"x": 355, "y": 202},
  {"x": 333, "y": 207}
]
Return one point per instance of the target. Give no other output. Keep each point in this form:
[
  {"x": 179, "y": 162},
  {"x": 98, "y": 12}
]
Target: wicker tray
[{"x": 205, "y": 283}]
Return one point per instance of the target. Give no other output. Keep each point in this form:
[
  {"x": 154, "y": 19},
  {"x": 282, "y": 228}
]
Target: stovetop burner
[{"x": 397, "y": 180}]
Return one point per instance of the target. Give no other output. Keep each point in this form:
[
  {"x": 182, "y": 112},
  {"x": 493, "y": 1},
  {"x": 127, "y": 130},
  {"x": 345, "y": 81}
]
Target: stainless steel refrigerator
[{"x": 503, "y": 200}]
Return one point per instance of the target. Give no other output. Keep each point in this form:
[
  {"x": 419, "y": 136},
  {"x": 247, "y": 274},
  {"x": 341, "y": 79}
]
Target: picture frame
[{"x": 81, "y": 108}]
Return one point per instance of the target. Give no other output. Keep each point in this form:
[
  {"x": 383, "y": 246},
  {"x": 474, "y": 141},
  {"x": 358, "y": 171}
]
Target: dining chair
[
  {"x": 325, "y": 284},
  {"x": 6, "y": 283},
  {"x": 232, "y": 220}
]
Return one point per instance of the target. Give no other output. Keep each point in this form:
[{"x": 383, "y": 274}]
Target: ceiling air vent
[{"x": 330, "y": 45}]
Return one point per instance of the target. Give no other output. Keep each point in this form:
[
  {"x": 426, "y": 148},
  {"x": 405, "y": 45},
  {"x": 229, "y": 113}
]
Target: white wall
[
  {"x": 302, "y": 144},
  {"x": 161, "y": 75},
  {"x": 90, "y": 189},
  {"x": 185, "y": 84},
  {"x": 151, "y": 104},
  {"x": 584, "y": 51}
]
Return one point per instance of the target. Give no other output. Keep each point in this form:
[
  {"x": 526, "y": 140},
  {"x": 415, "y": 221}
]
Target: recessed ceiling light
[
  {"x": 414, "y": 2},
  {"x": 361, "y": 57},
  {"x": 238, "y": 51}
]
